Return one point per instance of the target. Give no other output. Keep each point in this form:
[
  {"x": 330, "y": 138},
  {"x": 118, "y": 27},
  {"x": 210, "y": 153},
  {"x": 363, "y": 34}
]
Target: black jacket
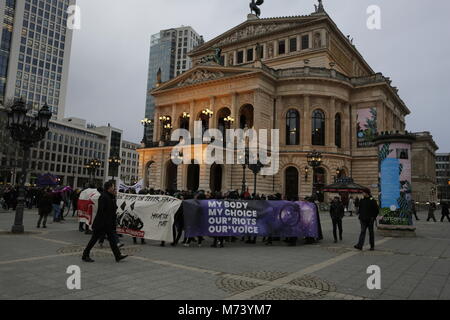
[
  {"x": 337, "y": 210},
  {"x": 368, "y": 208},
  {"x": 45, "y": 204},
  {"x": 105, "y": 220},
  {"x": 445, "y": 211}
]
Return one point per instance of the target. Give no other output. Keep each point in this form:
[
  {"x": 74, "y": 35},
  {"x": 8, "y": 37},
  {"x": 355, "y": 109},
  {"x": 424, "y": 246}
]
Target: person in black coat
[
  {"x": 368, "y": 212},
  {"x": 337, "y": 212},
  {"x": 105, "y": 222},
  {"x": 445, "y": 212},
  {"x": 44, "y": 208}
]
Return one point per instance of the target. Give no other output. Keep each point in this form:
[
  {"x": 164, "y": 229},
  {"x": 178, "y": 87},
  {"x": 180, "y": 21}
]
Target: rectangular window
[
  {"x": 240, "y": 57},
  {"x": 250, "y": 54},
  {"x": 292, "y": 44},
  {"x": 282, "y": 47},
  {"x": 305, "y": 42}
]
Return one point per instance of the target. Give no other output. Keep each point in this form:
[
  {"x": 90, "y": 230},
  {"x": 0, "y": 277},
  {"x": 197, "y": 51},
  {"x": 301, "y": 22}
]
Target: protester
[
  {"x": 368, "y": 212},
  {"x": 431, "y": 209},
  {"x": 337, "y": 213},
  {"x": 44, "y": 208},
  {"x": 105, "y": 222},
  {"x": 445, "y": 212},
  {"x": 75, "y": 196}
]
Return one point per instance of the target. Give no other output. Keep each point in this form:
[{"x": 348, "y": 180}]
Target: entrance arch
[
  {"x": 215, "y": 180},
  {"x": 193, "y": 177},
  {"x": 291, "y": 179},
  {"x": 171, "y": 176},
  {"x": 246, "y": 117},
  {"x": 319, "y": 183}
]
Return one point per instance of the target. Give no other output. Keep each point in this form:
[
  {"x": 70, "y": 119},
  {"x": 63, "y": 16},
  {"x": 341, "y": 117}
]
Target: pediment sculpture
[{"x": 201, "y": 76}]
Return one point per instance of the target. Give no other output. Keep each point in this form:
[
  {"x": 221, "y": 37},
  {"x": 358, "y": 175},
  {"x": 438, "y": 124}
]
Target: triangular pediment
[
  {"x": 202, "y": 74},
  {"x": 254, "y": 28}
]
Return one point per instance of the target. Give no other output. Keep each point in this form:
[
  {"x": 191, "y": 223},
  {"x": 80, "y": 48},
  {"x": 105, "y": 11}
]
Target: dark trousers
[
  {"x": 96, "y": 235},
  {"x": 431, "y": 216},
  {"x": 445, "y": 215},
  {"x": 44, "y": 216},
  {"x": 367, "y": 224},
  {"x": 415, "y": 215},
  {"x": 337, "y": 224}
]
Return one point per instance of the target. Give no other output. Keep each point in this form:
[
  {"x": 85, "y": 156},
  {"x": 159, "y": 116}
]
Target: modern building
[
  {"x": 130, "y": 163},
  {"x": 443, "y": 176},
  {"x": 168, "y": 53},
  {"x": 35, "y": 52},
  {"x": 113, "y": 148},
  {"x": 68, "y": 146}
]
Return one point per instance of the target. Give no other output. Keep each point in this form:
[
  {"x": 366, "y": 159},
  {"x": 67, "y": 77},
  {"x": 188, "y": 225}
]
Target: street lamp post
[
  {"x": 245, "y": 159},
  {"x": 92, "y": 167},
  {"x": 145, "y": 122},
  {"x": 166, "y": 126},
  {"x": 314, "y": 160},
  {"x": 256, "y": 168},
  {"x": 27, "y": 131},
  {"x": 114, "y": 163}
]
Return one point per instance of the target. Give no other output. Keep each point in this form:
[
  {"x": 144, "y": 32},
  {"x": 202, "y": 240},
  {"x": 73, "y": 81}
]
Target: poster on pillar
[
  {"x": 395, "y": 183},
  {"x": 146, "y": 216},
  {"x": 224, "y": 218},
  {"x": 366, "y": 122}
]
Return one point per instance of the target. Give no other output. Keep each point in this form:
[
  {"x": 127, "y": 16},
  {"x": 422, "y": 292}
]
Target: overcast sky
[{"x": 109, "y": 62}]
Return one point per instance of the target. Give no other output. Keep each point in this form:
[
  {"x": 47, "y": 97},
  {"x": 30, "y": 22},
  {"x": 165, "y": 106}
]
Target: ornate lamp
[{"x": 27, "y": 131}]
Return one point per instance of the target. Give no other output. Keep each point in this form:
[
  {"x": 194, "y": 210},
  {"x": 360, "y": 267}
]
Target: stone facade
[
  {"x": 319, "y": 70},
  {"x": 423, "y": 169}
]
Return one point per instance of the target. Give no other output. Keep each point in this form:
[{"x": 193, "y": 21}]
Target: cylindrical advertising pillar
[{"x": 394, "y": 160}]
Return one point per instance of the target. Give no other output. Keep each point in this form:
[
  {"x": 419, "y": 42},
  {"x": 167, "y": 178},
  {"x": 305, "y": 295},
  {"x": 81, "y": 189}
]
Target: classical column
[
  {"x": 212, "y": 119},
  {"x": 192, "y": 117},
  {"x": 204, "y": 177},
  {"x": 331, "y": 134},
  {"x": 307, "y": 125},
  {"x": 156, "y": 124},
  {"x": 174, "y": 114},
  {"x": 234, "y": 110},
  {"x": 346, "y": 127}
]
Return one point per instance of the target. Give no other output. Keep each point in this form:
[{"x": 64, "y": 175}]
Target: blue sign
[{"x": 390, "y": 182}]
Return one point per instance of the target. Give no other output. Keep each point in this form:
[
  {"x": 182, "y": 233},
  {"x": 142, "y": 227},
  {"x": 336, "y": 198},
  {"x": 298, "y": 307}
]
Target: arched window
[
  {"x": 291, "y": 183},
  {"x": 292, "y": 128},
  {"x": 246, "y": 117},
  {"x": 338, "y": 131},
  {"x": 318, "y": 126}
]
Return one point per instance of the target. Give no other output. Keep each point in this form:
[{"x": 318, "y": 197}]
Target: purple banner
[{"x": 222, "y": 218}]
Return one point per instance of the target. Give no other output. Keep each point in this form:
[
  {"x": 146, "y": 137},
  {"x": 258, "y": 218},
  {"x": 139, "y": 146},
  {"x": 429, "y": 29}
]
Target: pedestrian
[
  {"x": 105, "y": 222},
  {"x": 445, "y": 212},
  {"x": 368, "y": 212},
  {"x": 337, "y": 213},
  {"x": 414, "y": 209},
  {"x": 357, "y": 205},
  {"x": 431, "y": 209},
  {"x": 351, "y": 206},
  {"x": 44, "y": 208},
  {"x": 56, "y": 203},
  {"x": 75, "y": 196}
]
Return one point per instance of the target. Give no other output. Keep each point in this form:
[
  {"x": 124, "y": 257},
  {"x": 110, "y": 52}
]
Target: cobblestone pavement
[{"x": 34, "y": 265}]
